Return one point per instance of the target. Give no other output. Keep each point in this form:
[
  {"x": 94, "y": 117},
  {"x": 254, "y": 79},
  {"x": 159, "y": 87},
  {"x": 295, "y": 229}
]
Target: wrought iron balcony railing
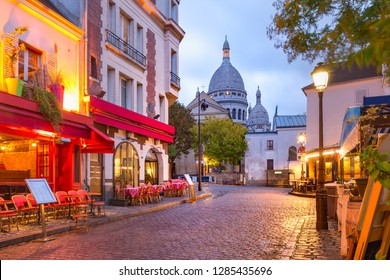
[
  {"x": 125, "y": 48},
  {"x": 175, "y": 79}
]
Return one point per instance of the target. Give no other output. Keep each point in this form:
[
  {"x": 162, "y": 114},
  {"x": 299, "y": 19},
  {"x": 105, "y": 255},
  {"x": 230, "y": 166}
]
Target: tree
[
  {"x": 182, "y": 120},
  {"x": 336, "y": 31},
  {"x": 223, "y": 140}
]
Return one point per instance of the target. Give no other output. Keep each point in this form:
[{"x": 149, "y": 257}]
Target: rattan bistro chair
[
  {"x": 8, "y": 216},
  {"x": 24, "y": 208}
]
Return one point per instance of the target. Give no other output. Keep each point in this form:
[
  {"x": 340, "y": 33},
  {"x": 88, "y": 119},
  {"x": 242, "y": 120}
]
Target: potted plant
[
  {"x": 12, "y": 48},
  {"x": 371, "y": 160},
  {"x": 57, "y": 85},
  {"x": 49, "y": 107}
]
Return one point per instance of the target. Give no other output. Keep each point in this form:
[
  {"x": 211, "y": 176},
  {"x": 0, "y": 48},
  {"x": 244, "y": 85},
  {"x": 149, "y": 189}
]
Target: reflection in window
[
  {"x": 151, "y": 168},
  {"x": 126, "y": 165}
]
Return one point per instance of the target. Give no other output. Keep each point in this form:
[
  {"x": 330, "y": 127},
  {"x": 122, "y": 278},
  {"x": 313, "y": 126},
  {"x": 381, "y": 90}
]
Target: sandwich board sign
[
  {"x": 42, "y": 194},
  {"x": 41, "y": 191}
]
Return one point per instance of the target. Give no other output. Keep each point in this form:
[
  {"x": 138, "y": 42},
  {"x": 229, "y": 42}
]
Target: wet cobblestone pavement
[{"x": 234, "y": 223}]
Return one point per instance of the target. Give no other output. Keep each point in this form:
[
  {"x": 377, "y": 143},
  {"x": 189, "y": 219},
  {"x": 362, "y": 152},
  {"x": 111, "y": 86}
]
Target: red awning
[
  {"x": 113, "y": 115},
  {"x": 98, "y": 143}
]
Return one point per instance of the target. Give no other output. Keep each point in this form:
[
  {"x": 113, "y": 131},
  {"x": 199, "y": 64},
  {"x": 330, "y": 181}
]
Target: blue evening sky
[{"x": 206, "y": 22}]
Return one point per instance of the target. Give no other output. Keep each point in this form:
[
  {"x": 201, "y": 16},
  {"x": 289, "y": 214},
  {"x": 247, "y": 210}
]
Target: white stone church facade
[{"x": 269, "y": 147}]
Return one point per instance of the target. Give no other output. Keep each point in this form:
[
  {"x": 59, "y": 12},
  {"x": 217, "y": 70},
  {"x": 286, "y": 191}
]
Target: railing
[
  {"x": 125, "y": 48},
  {"x": 175, "y": 79}
]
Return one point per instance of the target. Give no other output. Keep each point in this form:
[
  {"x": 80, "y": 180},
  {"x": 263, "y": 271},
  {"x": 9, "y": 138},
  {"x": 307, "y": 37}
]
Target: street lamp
[
  {"x": 301, "y": 150},
  {"x": 320, "y": 78},
  {"x": 201, "y": 105}
]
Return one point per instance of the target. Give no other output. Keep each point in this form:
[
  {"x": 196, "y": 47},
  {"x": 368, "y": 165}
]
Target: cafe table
[{"x": 92, "y": 194}]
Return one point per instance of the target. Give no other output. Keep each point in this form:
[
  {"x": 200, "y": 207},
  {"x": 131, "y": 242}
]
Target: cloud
[{"x": 244, "y": 22}]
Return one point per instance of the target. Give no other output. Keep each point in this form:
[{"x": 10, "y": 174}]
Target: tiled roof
[
  {"x": 343, "y": 73},
  {"x": 289, "y": 121}
]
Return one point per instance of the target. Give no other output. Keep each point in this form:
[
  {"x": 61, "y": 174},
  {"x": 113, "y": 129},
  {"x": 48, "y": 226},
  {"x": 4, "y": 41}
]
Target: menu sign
[{"x": 41, "y": 191}]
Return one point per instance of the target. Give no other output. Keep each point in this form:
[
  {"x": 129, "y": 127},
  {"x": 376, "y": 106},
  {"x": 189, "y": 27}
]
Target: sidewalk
[{"x": 55, "y": 226}]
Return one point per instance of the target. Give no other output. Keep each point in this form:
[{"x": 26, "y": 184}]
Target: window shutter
[
  {"x": 51, "y": 65},
  {"x": 7, "y": 52}
]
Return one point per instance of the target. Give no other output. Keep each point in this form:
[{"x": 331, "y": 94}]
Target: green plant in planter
[
  {"x": 49, "y": 107},
  {"x": 376, "y": 164},
  {"x": 12, "y": 49}
]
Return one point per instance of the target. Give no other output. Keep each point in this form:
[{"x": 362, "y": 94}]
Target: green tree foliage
[
  {"x": 339, "y": 30},
  {"x": 182, "y": 120},
  {"x": 223, "y": 140}
]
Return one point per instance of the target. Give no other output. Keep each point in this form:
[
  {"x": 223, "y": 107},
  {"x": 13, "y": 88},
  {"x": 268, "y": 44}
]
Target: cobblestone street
[{"x": 235, "y": 223}]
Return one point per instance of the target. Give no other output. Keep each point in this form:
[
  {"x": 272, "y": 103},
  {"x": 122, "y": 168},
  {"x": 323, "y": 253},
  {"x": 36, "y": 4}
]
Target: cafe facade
[
  {"x": 43, "y": 133},
  {"x": 114, "y": 109}
]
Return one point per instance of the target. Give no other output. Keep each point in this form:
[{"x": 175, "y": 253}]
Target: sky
[{"x": 244, "y": 22}]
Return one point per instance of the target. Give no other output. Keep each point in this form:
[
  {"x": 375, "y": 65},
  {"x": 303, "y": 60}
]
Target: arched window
[
  {"x": 234, "y": 114},
  {"x": 126, "y": 165},
  {"x": 239, "y": 114},
  {"x": 151, "y": 168},
  {"x": 292, "y": 153}
]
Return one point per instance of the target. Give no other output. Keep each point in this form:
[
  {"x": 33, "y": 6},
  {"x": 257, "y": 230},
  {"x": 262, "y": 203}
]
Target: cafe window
[
  {"x": 270, "y": 145},
  {"x": 126, "y": 165},
  {"x": 151, "y": 168}
]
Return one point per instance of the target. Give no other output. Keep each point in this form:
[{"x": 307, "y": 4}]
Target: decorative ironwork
[
  {"x": 175, "y": 79},
  {"x": 125, "y": 48}
]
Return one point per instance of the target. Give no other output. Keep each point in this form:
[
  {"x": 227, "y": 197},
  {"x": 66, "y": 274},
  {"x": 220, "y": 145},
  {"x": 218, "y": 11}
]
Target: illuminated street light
[
  {"x": 301, "y": 150},
  {"x": 201, "y": 105},
  {"x": 320, "y": 78}
]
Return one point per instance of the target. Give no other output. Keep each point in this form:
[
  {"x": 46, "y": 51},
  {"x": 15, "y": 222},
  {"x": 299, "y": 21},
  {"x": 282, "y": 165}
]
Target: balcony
[
  {"x": 125, "y": 48},
  {"x": 175, "y": 80}
]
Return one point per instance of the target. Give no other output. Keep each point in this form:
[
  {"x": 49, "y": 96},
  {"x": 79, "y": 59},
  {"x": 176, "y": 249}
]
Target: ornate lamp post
[
  {"x": 201, "y": 105},
  {"x": 301, "y": 150},
  {"x": 320, "y": 79}
]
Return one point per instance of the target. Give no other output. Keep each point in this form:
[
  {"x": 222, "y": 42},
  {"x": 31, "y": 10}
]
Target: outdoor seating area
[
  {"x": 303, "y": 186},
  {"x": 23, "y": 209},
  {"x": 148, "y": 193}
]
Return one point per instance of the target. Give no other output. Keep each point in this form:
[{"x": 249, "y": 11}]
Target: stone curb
[{"x": 58, "y": 229}]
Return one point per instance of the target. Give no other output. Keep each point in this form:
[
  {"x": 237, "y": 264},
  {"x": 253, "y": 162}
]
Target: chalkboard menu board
[{"x": 41, "y": 190}]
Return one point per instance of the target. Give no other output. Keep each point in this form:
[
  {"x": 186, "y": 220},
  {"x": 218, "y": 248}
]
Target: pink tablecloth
[{"x": 132, "y": 191}]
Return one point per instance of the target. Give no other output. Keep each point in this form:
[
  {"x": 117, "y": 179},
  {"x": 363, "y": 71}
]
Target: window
[
  {"x": 94, "y": 73},
  {"x": 359, "y": 96},
  {"x": 111, "y": 17},
  {"x": 126, "y": 166},
  {"x": 174, "y": 11},
  {"x": 126, "y": 93},
  {"x": 239, "y": 114},
  {"x": 140, "y": 39},
  {"x": 127, "y": 29},
  {"x": 140, "y": 101},
  {"x": 292, "y": 153},
  {"x": 270, "y": 164},
  {"x": 270, "y": 145},
  {"x": 30, "y": 62},
  {"x": 234, "y": 114}
]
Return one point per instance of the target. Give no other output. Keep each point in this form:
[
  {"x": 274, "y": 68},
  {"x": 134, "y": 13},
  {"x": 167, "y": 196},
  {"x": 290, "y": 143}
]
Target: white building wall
[
  {"x": 145, "y": 16},
  {"x": 337, "y": 99},
  {"x": 256, "y": 157}
]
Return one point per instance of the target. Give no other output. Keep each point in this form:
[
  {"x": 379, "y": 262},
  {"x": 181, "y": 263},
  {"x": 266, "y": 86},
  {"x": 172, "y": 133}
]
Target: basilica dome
[
  {"x": 226, "y": 77},
  {"x": 258, "y": 119}
]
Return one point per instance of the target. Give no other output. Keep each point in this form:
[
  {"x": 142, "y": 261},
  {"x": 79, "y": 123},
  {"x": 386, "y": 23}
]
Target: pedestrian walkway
[
  {"x": 55, "y": 226},
  {"x": 304, "y": 241}
]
